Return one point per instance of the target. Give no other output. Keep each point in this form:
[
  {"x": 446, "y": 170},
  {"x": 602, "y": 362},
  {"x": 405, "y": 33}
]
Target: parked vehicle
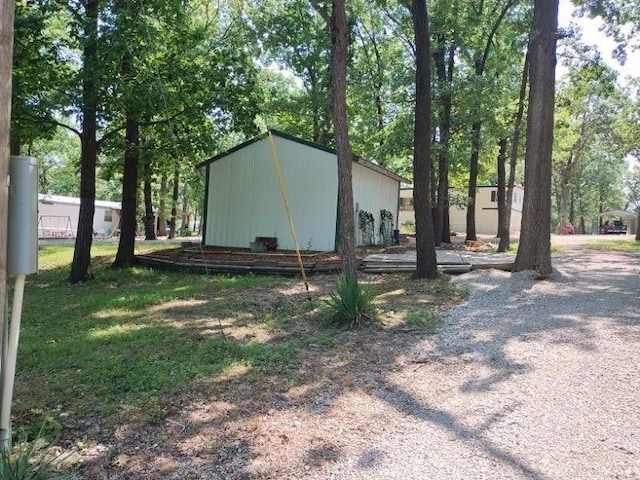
[{"x": 616, "y": 227}]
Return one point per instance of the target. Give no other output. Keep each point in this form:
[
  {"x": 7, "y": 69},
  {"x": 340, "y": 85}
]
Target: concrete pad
[
  {"x": 443, "y": 257},
  {"x": 485, "y": 258}
]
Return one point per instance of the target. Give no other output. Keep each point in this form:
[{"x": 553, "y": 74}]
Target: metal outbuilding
[{"x": 243, "y": 198}]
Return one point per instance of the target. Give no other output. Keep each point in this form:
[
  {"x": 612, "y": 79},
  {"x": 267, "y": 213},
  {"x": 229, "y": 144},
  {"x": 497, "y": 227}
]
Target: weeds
[
  {"x": 35, "y": 460},
  {"x": 48, "y": 420},
  {"x": 424, "y": 321}
]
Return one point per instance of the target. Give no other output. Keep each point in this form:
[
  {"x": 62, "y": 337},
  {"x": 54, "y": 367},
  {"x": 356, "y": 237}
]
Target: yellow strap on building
[{"x": 276, "y": 167}]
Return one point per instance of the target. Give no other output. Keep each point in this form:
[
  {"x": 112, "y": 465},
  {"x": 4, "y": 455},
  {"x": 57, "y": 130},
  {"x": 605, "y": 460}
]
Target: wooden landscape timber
[
  {"x": 204, "y": 260},
  {"x": 236, "y": 261}
]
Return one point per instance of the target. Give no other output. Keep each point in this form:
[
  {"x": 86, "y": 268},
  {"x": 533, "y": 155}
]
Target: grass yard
[
  {"x": 616, "y": 245},
  {"x": 134, "y": 346}
]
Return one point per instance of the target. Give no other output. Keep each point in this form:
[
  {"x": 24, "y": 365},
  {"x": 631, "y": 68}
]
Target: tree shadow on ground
[
  {"x": 411, "y": 407},
  {"x": 293, "y": 400}
]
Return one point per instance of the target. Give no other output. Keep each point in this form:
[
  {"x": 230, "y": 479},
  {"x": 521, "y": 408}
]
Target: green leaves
[
  {"x": 591, "y": 137},
  {"x": 621, "y": 22},
  {"x": 295, "y": 51},
  {"x": 350, "y": 305}
]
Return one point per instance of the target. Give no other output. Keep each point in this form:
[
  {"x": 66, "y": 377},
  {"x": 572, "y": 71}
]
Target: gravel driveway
[{"x": 528, "y": 379}]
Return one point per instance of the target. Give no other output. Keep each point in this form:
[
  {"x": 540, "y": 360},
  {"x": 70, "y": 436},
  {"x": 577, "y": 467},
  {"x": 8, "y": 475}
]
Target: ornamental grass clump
[{"x": 351, "y": 305}]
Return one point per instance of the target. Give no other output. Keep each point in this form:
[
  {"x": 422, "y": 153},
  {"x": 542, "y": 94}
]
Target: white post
[
  {"x": 22, "y": 260},
  {"x": 10, "y": 361}
]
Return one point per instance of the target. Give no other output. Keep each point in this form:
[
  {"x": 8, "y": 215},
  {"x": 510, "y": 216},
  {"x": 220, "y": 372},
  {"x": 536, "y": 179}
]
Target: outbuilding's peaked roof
[
  {"x": 47, "y": 198},
  {"x": 276, "y": 133}
]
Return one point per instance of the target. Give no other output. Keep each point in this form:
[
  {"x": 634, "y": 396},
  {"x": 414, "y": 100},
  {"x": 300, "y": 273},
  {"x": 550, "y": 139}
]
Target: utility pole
[{"x": 7, "y": 12}]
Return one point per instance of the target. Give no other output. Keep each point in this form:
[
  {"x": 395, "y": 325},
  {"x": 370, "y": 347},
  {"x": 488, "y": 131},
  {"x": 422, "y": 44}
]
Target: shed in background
[{"x": 243, "y": 198}]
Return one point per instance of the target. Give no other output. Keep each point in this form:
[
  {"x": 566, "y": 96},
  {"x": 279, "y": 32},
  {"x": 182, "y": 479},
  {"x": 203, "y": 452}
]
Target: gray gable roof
[{"x": 365, "y": 163}]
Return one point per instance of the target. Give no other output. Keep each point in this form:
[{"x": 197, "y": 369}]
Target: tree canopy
[{"x": 175, "y": 82}]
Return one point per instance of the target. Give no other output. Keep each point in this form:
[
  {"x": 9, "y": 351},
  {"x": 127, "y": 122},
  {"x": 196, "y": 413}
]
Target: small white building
[
  {"x": 243, "y": 199},
  {"x": 58, "y": 216},
  {"x": 486, "y": 211},
  {"x": 407, "y": 214}
]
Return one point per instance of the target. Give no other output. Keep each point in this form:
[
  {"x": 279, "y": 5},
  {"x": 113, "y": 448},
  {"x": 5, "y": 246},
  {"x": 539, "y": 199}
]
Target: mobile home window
[
  {"x": 108, "y": 215},
  {"x": 493, "y": 196}
]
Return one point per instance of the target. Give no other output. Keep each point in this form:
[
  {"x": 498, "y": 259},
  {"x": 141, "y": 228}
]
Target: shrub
[
  {"x": 408, "y": 227},
  {"x": 350, "y": 305}
]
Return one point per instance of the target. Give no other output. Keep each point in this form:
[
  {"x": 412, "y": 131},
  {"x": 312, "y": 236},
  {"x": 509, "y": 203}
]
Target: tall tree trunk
[
  {"x": 572, "y": 206},
  {"x": 446, "y": 224},
  {"x": 444, "y": 71},
  {"x": 328, "y": 115},
  {"x": 476, "y": 131},
  {"x": 567, "y": 175},
  {"x": 600, "y": 208},
  {"x": 480, "y": 63},
  {"x": 433, "y": 183},
  {"x": 149, "y": 217},
  {"x": 564, "y": 206},
  {"x": 376, "y": 71},
  {"x": 534, "y": 250},
  {"x": 579, "y": 229},
  {"x": 316, "y": 116},
  {"x": 162, "y": 209},
  {"x": 339, "y": 55},
  {"x": 81, "y": 264},
  {"x": 15, "y": 146},
  {"x": 378, "y": 85},
  {"x": 441, "y": 234},
  {"x": 446, "y": 227},
  {"x": 503, "y": 221},
  {"x": 174, "y": 199},
  {"x": 184, "y": 223},
  {"x": 426, "y": 263},
  {"x": 515, "y": 145},
  {"x": 125, "y": 257}
]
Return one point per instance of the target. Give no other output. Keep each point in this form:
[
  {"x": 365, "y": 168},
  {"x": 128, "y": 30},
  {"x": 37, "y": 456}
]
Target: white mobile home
[
  {"x": 243, "y": 199},
  {"x": 486, "y": 211},
  {"x": 58, "y": 216}
]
